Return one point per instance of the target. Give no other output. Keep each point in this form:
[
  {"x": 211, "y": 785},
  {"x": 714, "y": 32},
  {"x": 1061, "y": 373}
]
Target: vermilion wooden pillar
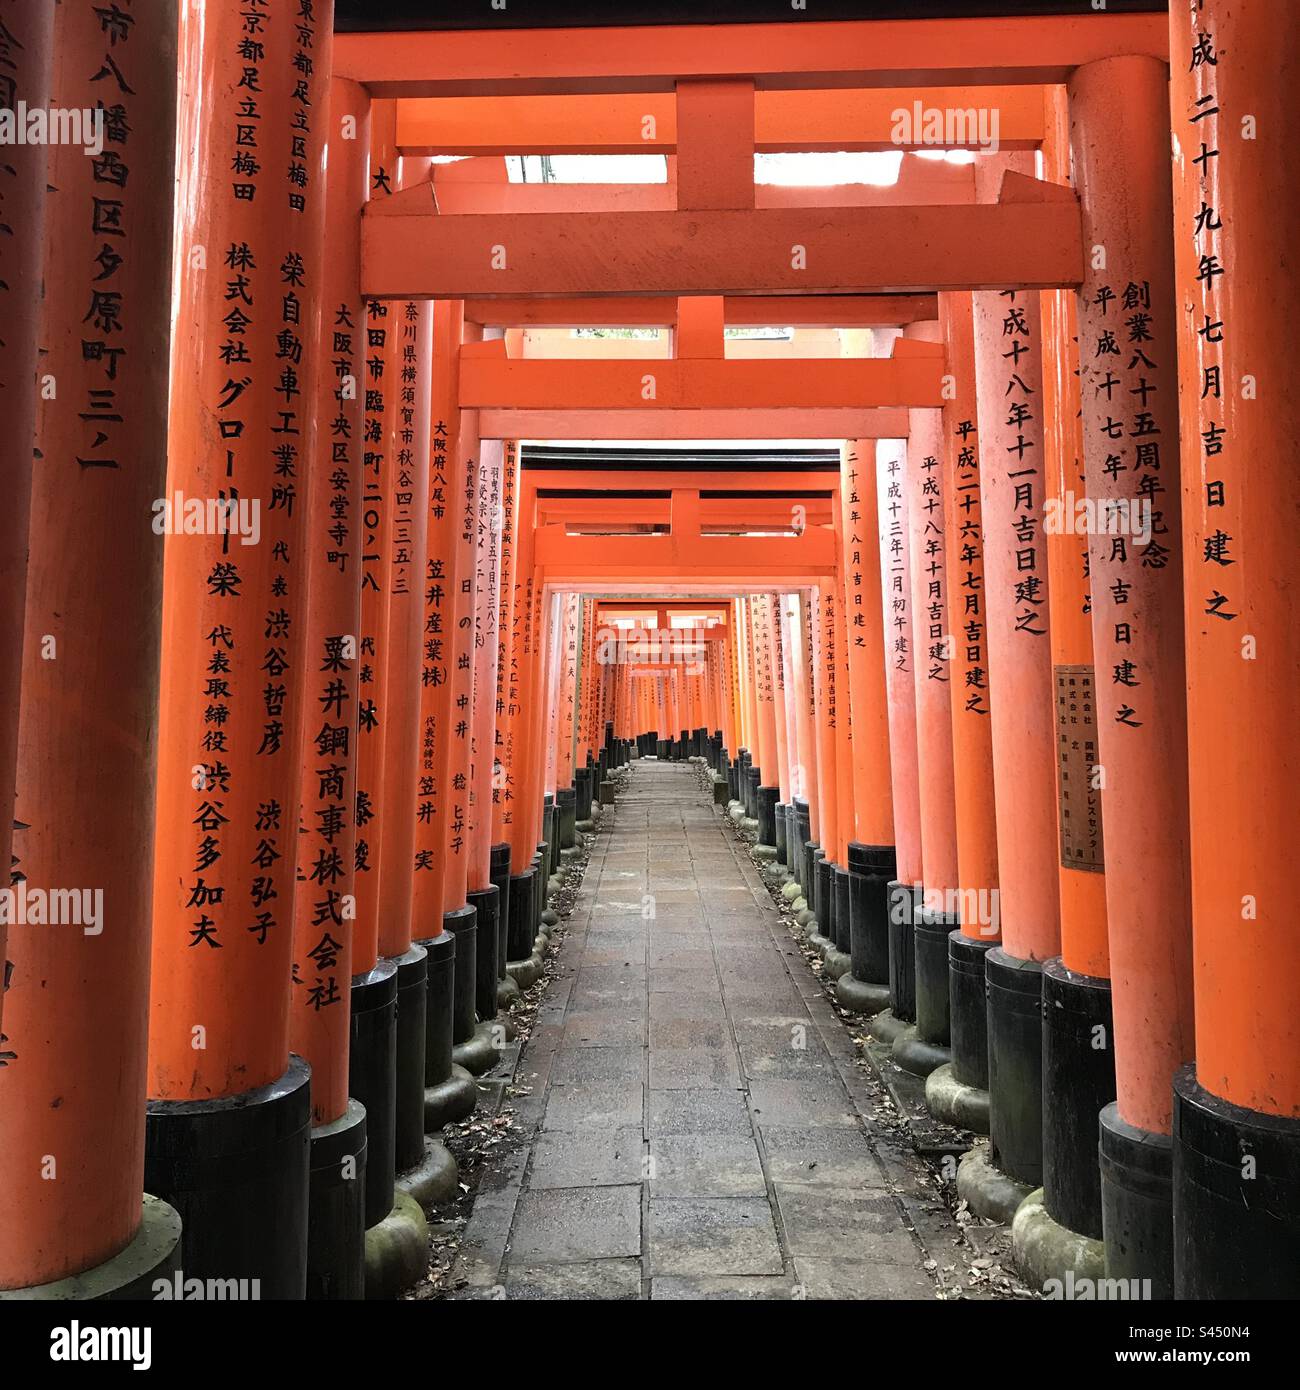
[
  {"x": 26, "y": 28},
  {"x": 978, "y": 905},
  {"x": 900, "y": 656},
  {"x": 1014, "y": 483},
  {"x": 781, "y": 709},
  {"x": 72, "y": 1062},
  {"x": 484, "y": 894},
  {"x": 1128, "y": 386},
  {"x": 933, "y": 646},
  {"x": 449, "y": 1093},
  {"x": 1236, "y": 1115},
  {"x": 222, "y": 1080},
  {"x": 325, "y": 902},
  {"x": 821, "y": 626},
  {"x": 768, "y": 791}
]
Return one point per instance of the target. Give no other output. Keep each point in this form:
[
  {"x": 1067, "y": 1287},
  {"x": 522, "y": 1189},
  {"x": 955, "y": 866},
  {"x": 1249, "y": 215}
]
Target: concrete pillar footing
[
  {"x": 986, "y": 1189},
  {"x": 507, "y": 993},
  {"x": 956, "y": 1103},
  {"x": 836, "y": 963},
  {"x": 913, "y": 1053},
  {"x": 434, "y": 1179},
  {"x": 1042, "y": 1249},
  {"x": 525, "y": 973},
  {"x": 478, "y": 1054},
  {"x": 886, "y": 1026},
  {"x": 397, "y": 1249},
  {"x": 450, "y": 1101},
  {"x": 860, "y": 996}
]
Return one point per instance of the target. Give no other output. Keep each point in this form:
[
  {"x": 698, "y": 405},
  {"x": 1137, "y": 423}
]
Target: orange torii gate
[{"x": 1146, "y": 905}]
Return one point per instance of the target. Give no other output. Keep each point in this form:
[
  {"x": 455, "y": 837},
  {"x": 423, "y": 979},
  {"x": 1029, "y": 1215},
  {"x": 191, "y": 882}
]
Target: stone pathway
[{"x": 693, "y": 1121}]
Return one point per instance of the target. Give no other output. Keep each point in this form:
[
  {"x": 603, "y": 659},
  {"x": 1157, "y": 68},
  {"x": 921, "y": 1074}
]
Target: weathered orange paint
[
  {"x": 866, "y": 701},
  {"x": 1240, "y": 671},
  {"x": 72, "y": 1079},
  {"x": 892, "y": 495},
  {"x": 1121, "y": 164},
  {"x": 914, "y": 249},
  {"x": 928, "y": 539},
  {"x": 319, "y": 1020},
  {"x": 971, "y": 701},
  {"x": 617, "y": 123},
  {"x": 1013, "y": 488},
  {"x": 25, "y": 53},
  {"x": 852, "y": 53},
  {"x": 1085, "y": 944},
  {"x": 232, "y": 623}
]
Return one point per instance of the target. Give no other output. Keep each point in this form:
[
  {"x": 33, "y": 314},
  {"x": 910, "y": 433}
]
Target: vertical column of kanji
[
  {"x": 750, "y": 751},
  {"x": 1013, "y": 482},
  {"x": 768, "y": 791},
  {"x": 72, "y": 1060},
  {"x": 839, "y": 961},
  {"x": 786, "y": 833},
  {"x": 506, "y": 710},
  {"x": 372, "y": 1066},
  {"x": 1237, "y": 1111},
  {"x": 427, "y": 1173},
  {"x": 896, "y": 602},
  {"x": 592, "y": 648},
  {"x": 483, "y": 894},
  {"x": 933, "y": 920},
  {"x": 222, "y": 1079},
  {"x": 808, "y": 815},
  {"x": 959, "y": 1093},
  {"x": 827, "y": 802},
  {"x": 26, "y": 28},
  {"x": 472, "y": 1047},
  {"x": 565, "y": 791},
  {"x": 1120, "y": 140},
  {"x": 450, "y": 1093},
  {"x": 870, "y": 858},
  {"x": 781, "y": 705},
  {"x": 524, "y": 861},
  {"x": 330, "y": 358}
]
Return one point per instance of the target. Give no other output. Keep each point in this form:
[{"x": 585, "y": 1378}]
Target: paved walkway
[{"x": 693, "y": 1121}]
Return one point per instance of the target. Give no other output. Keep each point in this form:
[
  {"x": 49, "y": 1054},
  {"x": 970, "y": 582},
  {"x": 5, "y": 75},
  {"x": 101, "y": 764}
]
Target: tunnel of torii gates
[{"x": 318, "y": 641}]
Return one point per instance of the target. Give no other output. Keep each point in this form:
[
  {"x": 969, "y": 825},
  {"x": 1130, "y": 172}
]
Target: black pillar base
[
  {"x": 808, "y": 878},
  {"x": 462, "y": 923},
  {"x": 499, "y": 876},
  {"x": 871, "y": 869},
  {"x": 969, "y": 1022},
  {"x": 802, "y": 836},
  {"x": 412, "y": 1008},
  {"x": 1236, "y": 1198},
  {"x": 485, "y": 903},
  {"x": 1079, "y": 1076},
  {"x": 450, "y": 1093},
  {"x": 372, "y": 1079},
  {"x": 519, "y": 939},
  {"x": 825, "y": 891},
  {"x": 904, "y": 903},
  {"x": 566, "y": 817},
  {"x": 843, "y": 919},
  {"x": 1137, "y": 1203},
  {"x": 753, "y": 776},
  {"x": 767, "y": 799},
  {"x": 783, "y": 833},
  {"x": 237, "y": 1170},
  {"x": 336, "y": 1225},
  {"x": 933, "y": 1008},
  {"x": 1015, "y": 1014}
]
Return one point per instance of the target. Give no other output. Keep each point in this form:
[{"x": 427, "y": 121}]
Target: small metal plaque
[{"x": 1076, "y": 757}]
